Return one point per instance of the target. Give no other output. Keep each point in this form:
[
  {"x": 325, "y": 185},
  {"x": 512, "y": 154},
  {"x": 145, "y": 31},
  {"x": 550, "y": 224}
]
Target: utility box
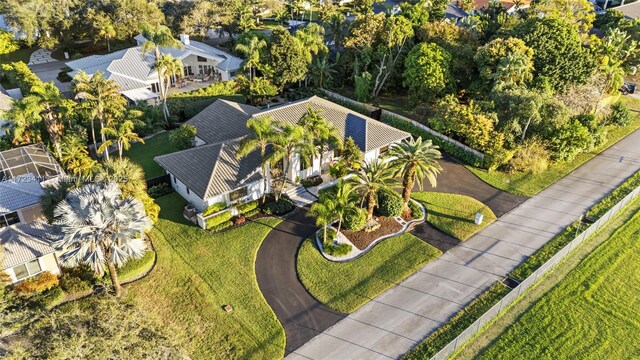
[{"x": 479, "y": 218}]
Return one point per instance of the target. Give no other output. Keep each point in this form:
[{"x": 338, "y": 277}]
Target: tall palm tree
[
  {"x": 325, "y": 213},
  {"x": 371, "y": 177},
  {"x": 262, "y": 133},
  {"x": 167, "y": 67},
  {"x": 25, "y": 121},
  {"x": 322, "y": 71},
  {"x": 101, "y": 229},
  {"x": 344, "y": 201},
  {"x": 122, "y": 136},
  {"x": 312, "y": 37},
  {"x": 337, "y": 28},
  {"x": 319, "y": 129},
  {"x": 158, "y": 37},
  {"x": 75, "y": 156},
  {"x": 48, "y": 98},
  {"x": 415, "y": 160},
  {"x": 290, "y": 140},
  {"x": 102, "y": 97},
  {"x": 251, "y": 51}
]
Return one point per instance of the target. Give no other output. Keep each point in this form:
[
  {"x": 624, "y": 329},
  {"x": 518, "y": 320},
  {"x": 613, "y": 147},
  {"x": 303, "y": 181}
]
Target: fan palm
[
  {"x": 101, "y": 229},
  {"x": 158, "y": 37},
  {"x": 251, "y": 51},
  {"x": 415, "y": 160},
  {"x": 102, "y": 97},
  {"x": 371, "y": 177},
  {"x": 262, "y": 133}
]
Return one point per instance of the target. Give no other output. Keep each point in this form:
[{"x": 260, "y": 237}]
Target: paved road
[
  {"x": 397, "y": 320},
  {"x": 302, "y": 316}
]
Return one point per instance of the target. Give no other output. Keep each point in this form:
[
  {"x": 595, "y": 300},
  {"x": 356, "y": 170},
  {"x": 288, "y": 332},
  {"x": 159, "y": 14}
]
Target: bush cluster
[
  {"x": 73, "y": 284},
  {"x": 620, "y": 115},
  {"x": 214, "y": 208},
  {"x": 37, "y": 284},
  {"x": 389, "y": 203},
  {"x": 355, "y": 220},
  {"x": 225, "y": 225},
  {"x": 311, "y": 181},
  {"x": 332, "y": 249},
  {"x": 282, "y": 206},
  {"x": 246, "y": 207},
  {"x": 160, "y": 190},
  {"x": 416, "y": 210},
  {"x": 216, "y": 220},
  {"x": 183, "y": 137},
  {"x": 251, "y": 213},
  {"x": 49, "y": 298}
]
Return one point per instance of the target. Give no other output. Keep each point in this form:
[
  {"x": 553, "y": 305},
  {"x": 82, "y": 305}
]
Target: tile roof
[
  {"x": 213, "y": 169},
  {"x": 631, "y": 11},
  {"x": 25, "y": 242},
  {"x": 19, "y": 193},
  {"x": 223, "y": 120}
]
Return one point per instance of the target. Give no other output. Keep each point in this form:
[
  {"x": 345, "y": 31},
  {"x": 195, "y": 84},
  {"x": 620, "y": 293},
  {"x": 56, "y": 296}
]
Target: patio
[{"x": 186, "y": 85}]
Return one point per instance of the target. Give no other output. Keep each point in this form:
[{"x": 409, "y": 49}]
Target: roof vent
[{"x": 184, "y": 38}]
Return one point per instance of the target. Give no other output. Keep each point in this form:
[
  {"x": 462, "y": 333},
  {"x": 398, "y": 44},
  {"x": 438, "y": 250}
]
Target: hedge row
[
  {"x": 449, "y": 148},
  {"x": 214, "y": 208},
  {"x": 218, "y": 219},
  {"x": 246, "y": 207},
  {"x": 19, "y": 74},
  {"x": 221, "y": 226}
]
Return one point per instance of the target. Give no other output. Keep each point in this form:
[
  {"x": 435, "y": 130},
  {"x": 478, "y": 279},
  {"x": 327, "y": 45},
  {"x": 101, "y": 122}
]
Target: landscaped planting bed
[
  {"x": 361, "y": 239},
  {"x": 346, "y": 286}
]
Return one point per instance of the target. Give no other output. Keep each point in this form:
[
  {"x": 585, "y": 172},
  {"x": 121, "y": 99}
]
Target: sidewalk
[{"x": 394, "y": 322}]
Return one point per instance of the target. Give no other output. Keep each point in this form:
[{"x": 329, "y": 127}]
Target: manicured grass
[
  {"x": 632, "y": 103},
  {"x": 143, "y": 154},
  {"x": 136, "y": 268},
  {"x": 593, "y": 313},
  {"x": 457, "y": 324},
  {"x": 454, "y": 214},
  {"x": 530, "y": 184},
  {"x": 347, "y": 286},
  {"x": 22, "y": 54},
  {"x": 198, "y": 272}
]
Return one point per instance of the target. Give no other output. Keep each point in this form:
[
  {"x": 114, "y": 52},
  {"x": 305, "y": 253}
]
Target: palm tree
[
  {"x": 25, "y": 121},
  {"x": 513, "y": 70},
  {"x": 312, "y": 37},
  {"x": 251, "y": 51},
  {"x": 322, "y": 70},
  {"x": 371, "y": 177},
  {"x": 290, "y": 140},
  {"x": 344, "y": 201},
  {"x": 48, "y": 98},
  {"x": 319, "y": 129},
  {"x": 157, "y": 37},
  {"x": 100, "y": 228},
  {"x": 337, "y": 28},
  {"x": 281, "y": 15},
  {"x": 167, "y": 67},
  {"x": 107, "y": 31},
  {"x": 75, "y": 156},
  {"x": 102, "y": 97},
  {"x": 324, "y": 212},
  {"x": 415, "y": 160},
  {"x": 262, "y": 133},
  {"x": 122, "y": 136}
]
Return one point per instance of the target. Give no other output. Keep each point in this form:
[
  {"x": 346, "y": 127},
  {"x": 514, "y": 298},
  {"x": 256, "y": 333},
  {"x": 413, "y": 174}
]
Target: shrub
[
  {"x": 214, "y": 208},
  {"x": 389, "y": 203},
  {"x": 63, "y": 76},
  {"x": 531, "y": 157},
  {"x": 73, "y": 284},
  {"x": 239, "y": 220},
  {"x": 363, "y": 86},
  {"x": 252, "y": 213},
  {"x": 282, "y": 206},
  {"x": 159, "y": 190},
  {"x": 246, "y": 207},
  {"x": 355, "y": 220},
  {"x": 49, "y": 298},
  {"x": 332, "y": 249},
  {"x": 222, "y": 226},
  {"x": 338, "y": 169},
  {"x": 620, "y": 115},
  {"x": 570, "y": 140},
  {"x": 311, "y": 181},
  {"x": 416, "y": 210},
  {"x": 37, "y": 284},
  {"x": 327, "y": 192},
  {"x": 218, "y": 219},
  {"x": 183, "y": 137}
]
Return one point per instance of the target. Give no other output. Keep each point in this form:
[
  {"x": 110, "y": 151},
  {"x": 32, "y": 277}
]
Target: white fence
[
  {"x": 371, "y": 109},
  {"x": 469, "y": 332}
]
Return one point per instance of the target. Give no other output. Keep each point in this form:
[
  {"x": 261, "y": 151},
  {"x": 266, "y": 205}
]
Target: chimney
[{"x": 184, "y": 38}]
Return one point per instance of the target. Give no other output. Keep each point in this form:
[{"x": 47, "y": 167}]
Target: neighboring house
[
  {"x": 631, "y": 11},
  {"x": 27, "y": 250},
  {"x": 454, "y": 13},
  {"x": 6, "y": 103},
  {"x": 134, "y": 71},
  {"x": 210, "y": 173},
  {"x": 24, "y": 236}
]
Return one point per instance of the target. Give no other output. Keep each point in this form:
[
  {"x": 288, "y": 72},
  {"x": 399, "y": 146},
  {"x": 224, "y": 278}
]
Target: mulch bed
[{"x": 362, "y": 239}]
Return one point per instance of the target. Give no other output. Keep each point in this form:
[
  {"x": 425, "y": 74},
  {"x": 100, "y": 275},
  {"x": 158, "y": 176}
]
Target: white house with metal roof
[
  {"x": 25, "y": 237},
  {"x": 210, "y": 173},
  {"x": 134, "y": 71}
]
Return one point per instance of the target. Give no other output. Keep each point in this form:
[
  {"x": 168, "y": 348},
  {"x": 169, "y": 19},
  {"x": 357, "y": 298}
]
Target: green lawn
[
  {"x": 454, "y": 214},
  {"x": 531, "y": 184},
  {"x": 196, "y": 274},
  {"x": 22, "y": 54},
  {"x": 347, "y": 286},
  {"x": 143, "y": 154},
  {"x": 592, "y": 313}
]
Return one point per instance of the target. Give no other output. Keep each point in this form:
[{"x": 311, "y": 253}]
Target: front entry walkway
[
  {"x": 394, "y": 322},
  {"x": 302, "y": 316}
]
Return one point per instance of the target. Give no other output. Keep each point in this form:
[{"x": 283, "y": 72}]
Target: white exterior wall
[
  {"x": 192, "y": 198},
  {"x": 47, "y": 263},
  {"x": 192, "y": 60},
  {"x": 255, "y": 190},
  {"x": 371, "y": 155}
]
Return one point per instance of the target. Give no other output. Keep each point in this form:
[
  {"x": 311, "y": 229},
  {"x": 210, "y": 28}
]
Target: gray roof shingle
[
  {"x": 213, "y": 169},
  {"x": 25, "y": 242},
  {"x": 222, "y": 121}
]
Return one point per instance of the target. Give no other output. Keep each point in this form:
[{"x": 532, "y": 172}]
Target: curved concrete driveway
[{"x": 302, "y": 316}]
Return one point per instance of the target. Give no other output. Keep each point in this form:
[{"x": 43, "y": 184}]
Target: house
[
  {"x": 134, "y": 71},
  {"x": 210, "y": 173},
  {"x": 454, "y": 13},
  {"x": 24, "y": 236}
]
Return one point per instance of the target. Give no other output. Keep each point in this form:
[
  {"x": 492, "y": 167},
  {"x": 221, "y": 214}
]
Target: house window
[
  {"x": 202, "y": 59},
  {"x": 175, "y": 180},
  {"x": 28, "y": 269},
  {"x": 188, "y": 71},
  {"x": 9, "y": 219},
  {"x": 155, "y": 88},
  {"x": 188, "y": 191},
  {"x": 238, "y": 194}
]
